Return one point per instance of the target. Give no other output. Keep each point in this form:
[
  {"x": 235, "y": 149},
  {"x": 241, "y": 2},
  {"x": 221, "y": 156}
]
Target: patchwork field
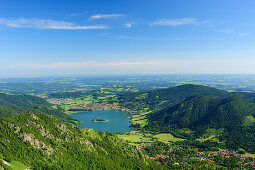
[{"x": 166, "y": 138}]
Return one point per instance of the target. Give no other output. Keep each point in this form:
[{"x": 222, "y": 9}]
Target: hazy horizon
[{"x": 45, "y": 38}]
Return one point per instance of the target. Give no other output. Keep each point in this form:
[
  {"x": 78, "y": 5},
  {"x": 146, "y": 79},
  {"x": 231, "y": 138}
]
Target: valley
[
  {"x": 185, "y": 126},
  {"x": 141, "y": 106}
]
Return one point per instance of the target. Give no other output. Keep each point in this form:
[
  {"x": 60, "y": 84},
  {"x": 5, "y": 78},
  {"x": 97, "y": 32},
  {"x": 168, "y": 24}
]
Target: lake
[{"x": 118, "y": 121}]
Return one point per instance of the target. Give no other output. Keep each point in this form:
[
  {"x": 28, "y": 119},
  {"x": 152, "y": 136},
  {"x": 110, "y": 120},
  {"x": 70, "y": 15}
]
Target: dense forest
[
  {"x": 42, "y": 142},
  {"x": 11, "y": 105},
  {"x": 157, "y": 99},
  {"x": 200, "y": 113},
  {"x": 160, "y": 98}
]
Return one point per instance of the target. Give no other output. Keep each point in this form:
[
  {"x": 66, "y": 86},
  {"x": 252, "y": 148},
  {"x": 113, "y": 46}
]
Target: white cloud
[
  {"x": 120, "y": 36},
  {"x": 106, "y": 16},
  {"x": 46, "y": 24},
  {"x": 242, "y": 34},
  {"x": 129, "y": 24},
  {"x": 174, "y": 22},
  {"x": 233, "y": 32},
  {"x": 228, "y": 31}
]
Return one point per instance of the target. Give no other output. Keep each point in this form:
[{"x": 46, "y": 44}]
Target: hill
[
  {"x": 12, "y": 105},
  {"x": 40, "y": 141},
  {"x": 157, "y": 99},
  {"x": 199, "y": 113},
  {"x": 249, "y": 96},
  {"x": 21, "y": 100}
]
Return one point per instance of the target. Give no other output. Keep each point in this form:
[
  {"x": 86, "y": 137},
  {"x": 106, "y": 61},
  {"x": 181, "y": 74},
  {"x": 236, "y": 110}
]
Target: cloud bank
[
  {"x": 46, "y": 24},
  {"x": 174, "y": 66},
  {"x": 106, "y": 16},
  {"x": 174, "y": 22}
]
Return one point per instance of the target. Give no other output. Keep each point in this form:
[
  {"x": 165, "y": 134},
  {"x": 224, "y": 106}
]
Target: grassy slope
[{"x": 166, "y": 138}]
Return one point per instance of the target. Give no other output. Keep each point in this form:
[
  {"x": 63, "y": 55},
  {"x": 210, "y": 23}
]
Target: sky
[{"x": 63, "y": 37}]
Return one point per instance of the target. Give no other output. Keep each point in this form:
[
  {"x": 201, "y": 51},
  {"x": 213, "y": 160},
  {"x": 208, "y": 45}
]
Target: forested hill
[
  {"x": 42, "y": 142},
  {"x": 198, "y": 113},
  {"x": 11, "y": 105},
  {"x": 164, "y": 97},
  {"x": 22, "y": 100}
]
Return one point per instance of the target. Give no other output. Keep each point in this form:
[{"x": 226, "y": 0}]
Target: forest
[
  {"x": 200, "y": 113},
  {"x": 40, "y": 141}
]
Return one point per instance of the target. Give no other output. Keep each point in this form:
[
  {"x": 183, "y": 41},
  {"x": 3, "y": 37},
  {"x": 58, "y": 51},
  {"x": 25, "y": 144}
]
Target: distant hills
[
  {"x": 11, "y": 105},
  {"x": 160, "y": 98},
  {"x": 22, "y": 100},
  {"x": 157, "y": 99}
]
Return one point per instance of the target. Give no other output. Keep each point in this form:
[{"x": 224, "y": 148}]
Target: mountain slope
[
  {"x": 204, "y": 111},
  {"x": 12, "y": 105},
  {"x": 21, "y": 100},
  {"x": 160, "y": 98},
  {"x": 249, "y": 96},
  {"x": 41, "y": 141},
  {"x": 198, "y": 113}
]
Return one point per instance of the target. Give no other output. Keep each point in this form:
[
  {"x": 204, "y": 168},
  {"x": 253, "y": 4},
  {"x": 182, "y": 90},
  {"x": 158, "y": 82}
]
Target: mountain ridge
[
  {"x": 199, "y": 113},
  {"x": 42, "y": 141}
]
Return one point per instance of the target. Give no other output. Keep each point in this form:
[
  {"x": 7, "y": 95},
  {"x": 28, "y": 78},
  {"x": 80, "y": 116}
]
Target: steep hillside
[
  {"x": 157, "y": 99},
  {"x": 41, "y": 141},
  {"x": 11, "y": 105},
  {"x": 198, "y": 113},
  {"x": 22, "y": 100}
]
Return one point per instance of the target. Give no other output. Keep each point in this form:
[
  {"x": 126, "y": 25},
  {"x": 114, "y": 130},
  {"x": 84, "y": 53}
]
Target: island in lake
[{"x": 99, "y": 120}]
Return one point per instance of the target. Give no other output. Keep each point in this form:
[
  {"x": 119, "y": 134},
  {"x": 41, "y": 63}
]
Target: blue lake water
[{"x": 118, "y": 121}]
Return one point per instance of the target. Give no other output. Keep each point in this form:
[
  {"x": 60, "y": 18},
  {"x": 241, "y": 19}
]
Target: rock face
[{"x": 33, "y": 141}]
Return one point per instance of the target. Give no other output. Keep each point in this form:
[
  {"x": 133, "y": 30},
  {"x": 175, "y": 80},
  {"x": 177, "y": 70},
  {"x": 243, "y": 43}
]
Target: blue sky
[{"x": 52, "y": 37}]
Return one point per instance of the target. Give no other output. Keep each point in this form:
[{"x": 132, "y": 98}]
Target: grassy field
[
  {"x": 18, "y": 165},
  {"x": 211, "y": 138},
  {"x": 131, "y": 138},
  {"x": 166, "y": 138},
  {"x": 249, "y": 154},
  {"x": 137, "y": 138},
  {"x": 78, "y": 103},
  {"x": 140, "y": 119},
  {"x": 211, "y": 134}
]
